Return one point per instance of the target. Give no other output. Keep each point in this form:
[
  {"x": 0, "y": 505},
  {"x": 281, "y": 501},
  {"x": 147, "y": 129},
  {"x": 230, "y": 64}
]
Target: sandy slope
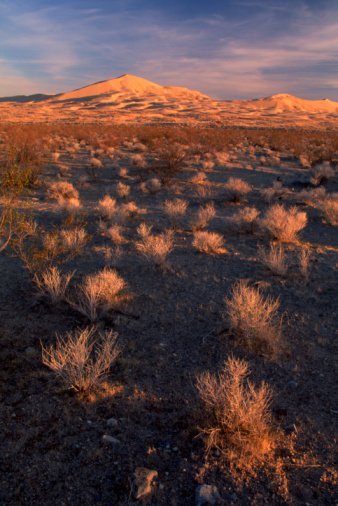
[{"x": 130, "y": 98}]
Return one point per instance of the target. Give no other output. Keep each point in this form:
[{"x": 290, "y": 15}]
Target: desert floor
[{"x": 170, "y": 330}]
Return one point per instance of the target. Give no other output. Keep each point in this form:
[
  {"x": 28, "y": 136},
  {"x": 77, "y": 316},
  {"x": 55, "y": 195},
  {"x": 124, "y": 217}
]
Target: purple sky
[{"x": 226, "y": 49}]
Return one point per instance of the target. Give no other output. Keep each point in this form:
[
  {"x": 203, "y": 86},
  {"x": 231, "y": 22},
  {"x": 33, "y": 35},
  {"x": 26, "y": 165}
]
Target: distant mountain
[
  {"x": 132, "y": 99},
  {"x": 38, "y": 97},
  {"x": 126, "y": 84},
  {"x": 283, "y": 102}
]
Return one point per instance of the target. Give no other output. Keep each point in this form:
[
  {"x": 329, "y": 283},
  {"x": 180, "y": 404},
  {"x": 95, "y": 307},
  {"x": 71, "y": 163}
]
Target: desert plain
[{"x": 168, "y": 298}]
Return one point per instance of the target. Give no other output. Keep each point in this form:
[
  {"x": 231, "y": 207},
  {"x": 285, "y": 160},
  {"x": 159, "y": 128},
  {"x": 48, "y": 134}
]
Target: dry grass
[
  {"x": 155, "y": 248},
  {"x": 329, "y": 208},
  {"x": 82, "y": 360},
  {"x": 274, "y": 259},
  {"x": 245, "y": 219},
  {"x": 73, "y": 240},
  {"x": 115, "y": 234},
  {"x": 175, "y": 209},
  {"x": 53, "y": 284},
  {"x": 107, "y": 207},
  {"x": 208, "y": 242},
  {"x": 304, "y": 258},
  {"x": 236, "y": 189},
  {"x": 62, "y": 191},
  {"x": 320, "y": 174},
  {"x": 283, "y": 224},
  {"x": 122, "y": 189},
  {"x": 277, "y": 191},
  {"x": 98, "y": 294},
  {"x": 204, "y": 215},
  {"x": 239, "y": 422},
  {"x": 254, "y": 318}
]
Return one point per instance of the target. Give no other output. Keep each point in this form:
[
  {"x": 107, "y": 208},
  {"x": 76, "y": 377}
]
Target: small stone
[
  {"x": 30, "y": 351},
  {"x": 112, "y": 422},
  {"x": 207, "y": 494},
  {"x": 143, "y": 481},
  {"x": 110, "y": 439}
]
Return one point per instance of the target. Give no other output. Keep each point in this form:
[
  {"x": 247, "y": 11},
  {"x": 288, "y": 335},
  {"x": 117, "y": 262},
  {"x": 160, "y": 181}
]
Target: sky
[{"x": 225, "y": 48}]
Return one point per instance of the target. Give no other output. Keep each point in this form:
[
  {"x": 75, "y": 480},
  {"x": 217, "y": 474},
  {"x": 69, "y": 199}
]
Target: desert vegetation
[{"x": 211, "y": 254}]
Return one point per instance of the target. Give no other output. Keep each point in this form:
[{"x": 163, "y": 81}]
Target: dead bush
[
  {"x": 154, "y": 248},
  {"x": 98, "y": 294},
  {"x": 245, "y": 219},
  {"x": 238, "y": 420},
  {"x": 274, "y": 259},
  {"x": 122, "y": 189},
  {"x": 236, "y": 189},
  {"x": 175, "y": 209},
  {"x": 320, "y": 174},
  {"x": 61, "y": 191},
  {"x": 304, "y": 257},
  {"x": 107, "y": 207},
  {"x": 254, "y": 318},
  {"x": 115, "y": 234},
  {"x": 82, "y": 359},
  {"x": 204, "y": 215},
  {"x": 53, "y": 284},
  {"x": 283, "y": 224},
  {"x": 208, "y": 242},
  {"x": 277, "y": 191},
  {"x": 329, "y": 208}
]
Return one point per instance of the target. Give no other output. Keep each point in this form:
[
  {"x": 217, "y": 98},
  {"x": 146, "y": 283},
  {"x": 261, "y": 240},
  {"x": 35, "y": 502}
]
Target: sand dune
[{"x": 130, "y": 98}]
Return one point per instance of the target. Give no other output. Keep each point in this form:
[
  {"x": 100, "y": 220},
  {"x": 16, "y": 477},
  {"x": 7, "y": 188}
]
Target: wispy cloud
[{"x": 224, "y": 54}]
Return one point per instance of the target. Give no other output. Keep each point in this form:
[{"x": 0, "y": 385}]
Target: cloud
[{"x": 277, "y": 49}]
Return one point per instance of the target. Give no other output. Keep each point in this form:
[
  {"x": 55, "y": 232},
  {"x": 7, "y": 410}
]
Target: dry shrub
[
  {"x": 123, "y": 172},
  {"x": 312, "y": 197},
  {"x": 53, "y": 284},
  {"x": 208, "y": 164},
  {"x": 277, "y": 191},
  {"x": 320, "y": 174},
  {"x": 73, "y": 240},
  {"x": 199, "y": 178},
  {"x": 329, "y": 208},
  {"x": 138, "y": 160},
  {"x": 107, "y": 207},
  {"x": 99, "y": 293},
  {"x": 153, "y": 185},
  {"x": 81, "y": 360},
  {"x": 245, "y": 219},
  {"x": 170, "y": 157},
  {"x": 96, "y": 163},
  {"x": 304, "y": 258},
  {"x": 283, "y": 224},
  {"x": 274, "y": 259},
  {"x": 122, "y": 189},
  {"x": 115, "y": 234},
  {"x": 61, "y": 191},
  {"x": 254, "y": 318},
  {"x": 157, "y": 247},
  {"x": 236, "y": 189},
  {"x": 130, "y": 210},
  {"x": 239, "y": 422},
  {"x": 204, "y": 215},
  {"x": 208, "y": 242},
  {"x": 203, "y": 192},
  {"x": 175, "y": 209}
]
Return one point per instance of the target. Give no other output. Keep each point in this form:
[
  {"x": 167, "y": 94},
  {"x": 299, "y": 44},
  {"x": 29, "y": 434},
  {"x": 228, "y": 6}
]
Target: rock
[
  {"x": 143, "y": 481},
  {"x": 112, "y": 422},
  {"x": 207, "y": 494},
  {"x": 110, "y": 439},
  {"x": 30, "y": 351}
]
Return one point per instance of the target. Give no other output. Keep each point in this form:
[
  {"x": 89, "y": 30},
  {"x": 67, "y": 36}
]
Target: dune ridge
[{"x": 130, "y": 98}]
